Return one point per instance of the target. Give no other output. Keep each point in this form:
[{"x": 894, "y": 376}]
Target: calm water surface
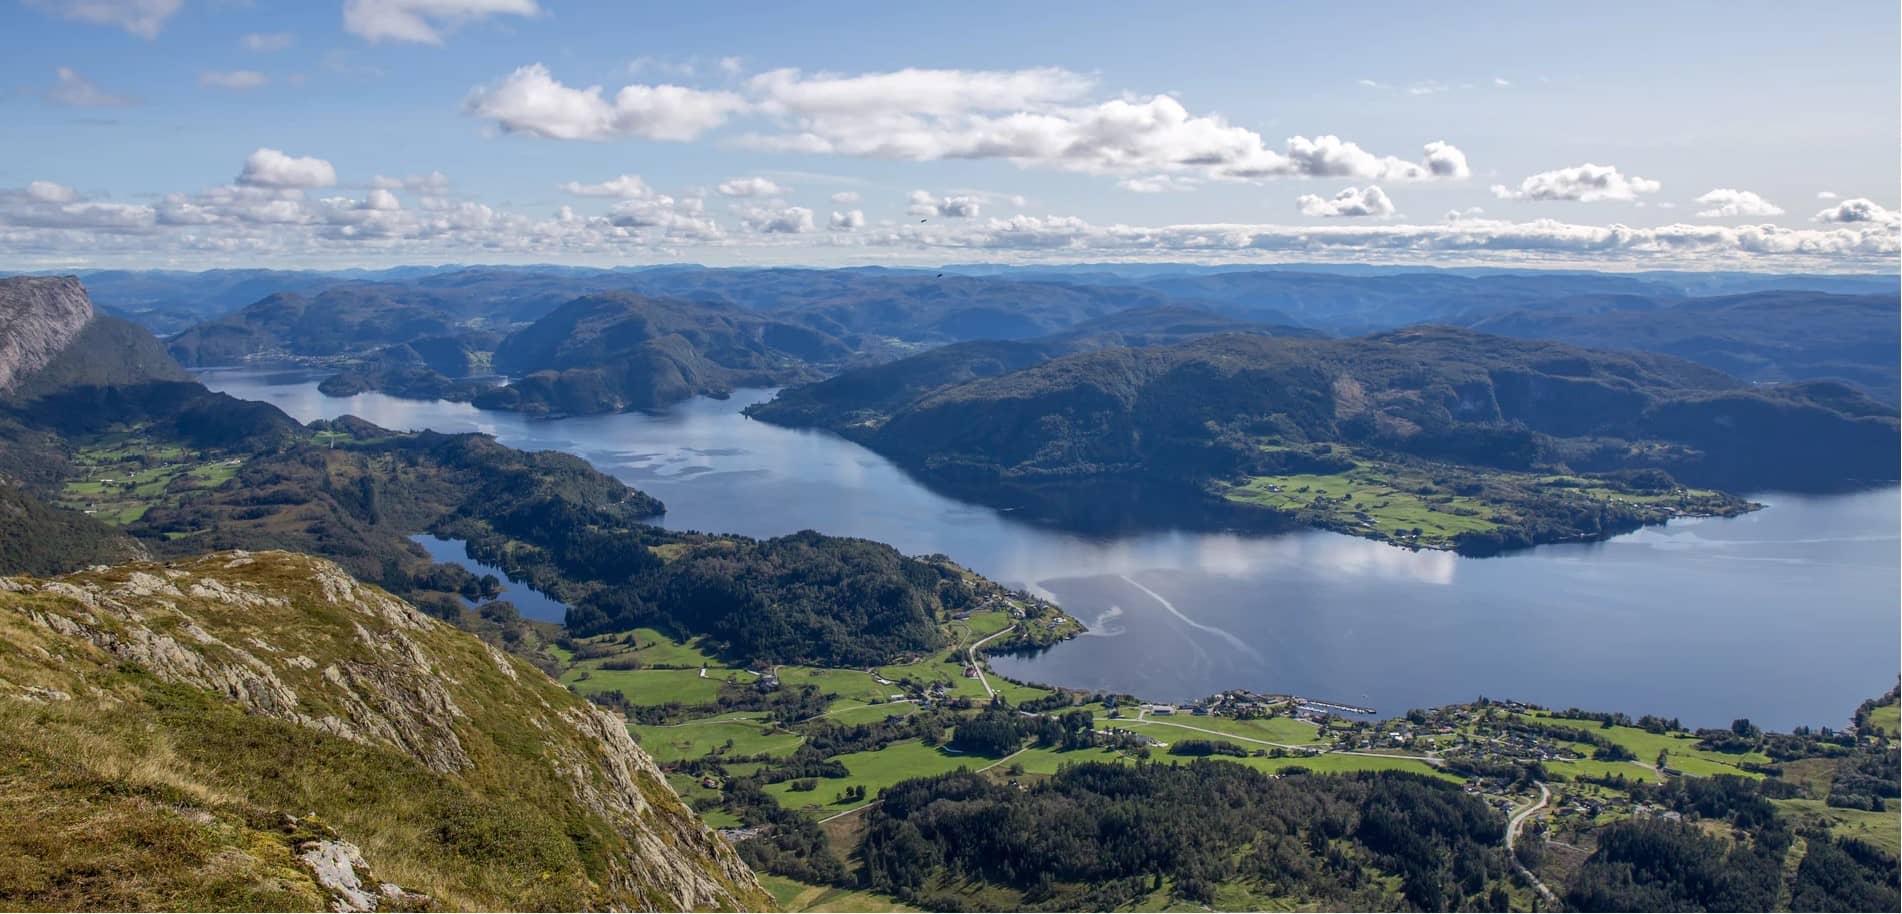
[
  {"x": 1787, "y": 616},
  {"x": 530, "y": 602}
]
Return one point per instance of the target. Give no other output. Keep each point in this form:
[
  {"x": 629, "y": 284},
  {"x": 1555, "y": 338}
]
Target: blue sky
[{"x": 201, "y": 133}]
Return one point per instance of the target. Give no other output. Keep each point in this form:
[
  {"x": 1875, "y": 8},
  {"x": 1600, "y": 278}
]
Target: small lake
[
  {"x": 530, "y": 602},
  {"x": 1790, "y": 615}
]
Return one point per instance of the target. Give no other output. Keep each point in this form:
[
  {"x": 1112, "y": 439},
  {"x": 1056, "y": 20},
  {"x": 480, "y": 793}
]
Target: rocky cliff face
[
  {"x": 39, "y": 316},
  {"x": 248, "y": 730}
]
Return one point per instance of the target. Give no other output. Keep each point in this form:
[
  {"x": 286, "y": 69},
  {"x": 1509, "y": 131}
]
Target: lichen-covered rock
[{"x": 466, "y": 777}]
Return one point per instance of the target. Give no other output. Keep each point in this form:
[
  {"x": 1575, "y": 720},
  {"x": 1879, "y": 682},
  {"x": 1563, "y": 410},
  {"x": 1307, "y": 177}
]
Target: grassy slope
[{"x": 171, "y": 795}]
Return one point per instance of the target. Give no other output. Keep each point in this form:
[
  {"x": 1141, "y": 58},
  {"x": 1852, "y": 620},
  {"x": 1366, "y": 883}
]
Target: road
[
  {"x": 1513, "y": 826},
  {"x": 970, "y": 654}
]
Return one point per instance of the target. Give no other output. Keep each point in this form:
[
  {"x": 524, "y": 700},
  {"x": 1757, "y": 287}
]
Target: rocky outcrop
[
  {"x": 476, "y": 763},
  {"x": 39, "y": 316}
]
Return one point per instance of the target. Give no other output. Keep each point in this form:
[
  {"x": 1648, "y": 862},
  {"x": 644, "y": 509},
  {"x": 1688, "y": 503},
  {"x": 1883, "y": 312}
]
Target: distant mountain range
[{"x": 1759, "y": 327}]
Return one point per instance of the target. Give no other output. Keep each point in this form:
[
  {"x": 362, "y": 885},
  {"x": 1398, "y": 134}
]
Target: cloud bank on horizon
[{"x": 587, "y": 149}]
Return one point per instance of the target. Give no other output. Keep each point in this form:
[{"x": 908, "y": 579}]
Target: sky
[{"x": 200, "y": 134}]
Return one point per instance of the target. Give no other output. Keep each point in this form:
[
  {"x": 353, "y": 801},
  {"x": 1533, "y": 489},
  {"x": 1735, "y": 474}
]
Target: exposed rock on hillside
[{"x": 39, "y": 315}]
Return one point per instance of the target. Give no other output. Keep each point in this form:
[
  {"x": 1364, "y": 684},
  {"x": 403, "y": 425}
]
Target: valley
[{"x": 816, "y": 695}]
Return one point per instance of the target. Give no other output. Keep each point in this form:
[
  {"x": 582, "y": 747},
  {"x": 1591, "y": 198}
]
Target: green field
[
  {"x": 849, "y": 685},
  {"x": 1336, "y": 763},
  {"x": 1048, "y": 761},
  {"x": 876, "y": 771},
  {"x": 1877, "y": 828},
  {"x": 848, "y": 713},
  {"x": 1386, "y": 498},
  {"x": 1887, "y": 720},
  {"x": 750, "y": 736},
  {"x": 1282, "y": 730},
  {"x": 793, "y": 895},
  {"x": 1589, "y": 767},
  {"x": 657, "y": 651},
  {"x": 123, "y": 480},
  {"x": 653, "y": 687},
  {"x": 1684, "y": 754},
  {"x": 981, "y": 625}
]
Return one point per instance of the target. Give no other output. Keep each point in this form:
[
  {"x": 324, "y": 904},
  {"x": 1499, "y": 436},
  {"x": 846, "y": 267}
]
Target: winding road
[{"x": 1513, "y": 826}]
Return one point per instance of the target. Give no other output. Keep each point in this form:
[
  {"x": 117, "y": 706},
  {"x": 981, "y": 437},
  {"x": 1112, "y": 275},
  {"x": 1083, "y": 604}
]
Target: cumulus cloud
[
  {"x": 1036, "y": 117},
  {"x": 50, "y": 192},
  {"x": 1587, "y": 183},
  {"x": 750, "y": 187},
  {"x": 1351, "y": 201},
  {"x": 910, "y": 91},
  {"x": 533, "y": 102},
  {"x": 794, "y": 220},
  {"x": 846, "y": 197},
  {"x": 423, "y": 21},
  {"x": 143, "y": 18},
  {"x": 626, "y": 187},
  {"x": 232, "y": 79},
  {"x": 1826, "y": 195},
  {"x": 1458, "y": 215},
  {"x": 664, "y": 216},
  {"x": 1860, "y": 209},
  {"x": 924, "y": 204},
  {"x": 272, "y": 215},
  {"x": 1725, "y": 203},
  {"x": 266, "y": 42},
  {"x": 271, "y": 168},
  {"x": 381, "y": 199},
  {"x": 71, "y": 88}
]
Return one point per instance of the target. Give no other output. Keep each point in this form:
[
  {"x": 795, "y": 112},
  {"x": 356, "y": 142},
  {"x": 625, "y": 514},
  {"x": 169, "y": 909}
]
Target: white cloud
[
  {"x": 1587, "y": 183},
  {"x": 847, "y": 221},
  {"x": 795, "y": 220},
  {"x": 662, "y": 216},
  {"x": 533, "y": 102},
  {"x": 267, "y": 42},
  {"x": 73, "y": 89},
  {"x": 143, "y": 18},
  {"x": 422, "y": 21},
  {"x": 50, "y": 192},
  {"x": 1859, "y": 209},
  {"x": 1035, "y": 117},
  {"x": 750, "y": 187},
  {"x": 1461, "y": 215},
  {"x": 1156, "y": 135},
  {"x": 1351, "y": 201},
  {"x": 233, "y": 79},
  {"x": 434, "y": 184},
  {"x": 732, "y": 66},
  {"x": 915, "y": 92},
  {"x": 626, "y": 187},
  {"x": 271, "y": 168},
  {"x": 955, "y": 207},
  {"x": 1725, "y": 203},
  {"x": 1826, "y": 195},
  {"x": 1501, "y": 83},
  {"x": 846, "y": 197},
  {"x": 1156, "y": 184},
  {"x": 260, "y": 224}
]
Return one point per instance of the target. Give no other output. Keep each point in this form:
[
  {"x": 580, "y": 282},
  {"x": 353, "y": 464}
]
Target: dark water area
[
  {"x": 1790, "y": 615},
  {"x": 530, "y": 602}
]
